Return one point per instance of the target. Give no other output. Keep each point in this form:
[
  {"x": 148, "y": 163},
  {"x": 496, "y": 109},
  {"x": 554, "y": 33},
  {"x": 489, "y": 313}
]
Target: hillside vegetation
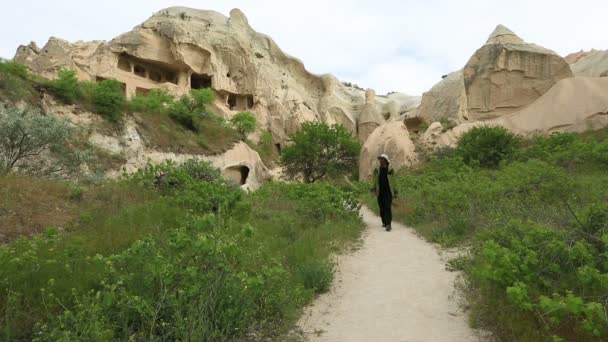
[
  {"x": 170, "y": 253},
  {"x": 534, "y": 215}
]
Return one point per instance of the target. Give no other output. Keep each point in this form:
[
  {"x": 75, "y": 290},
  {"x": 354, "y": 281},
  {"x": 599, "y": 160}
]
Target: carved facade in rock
[{"x": 179, "y": 49}]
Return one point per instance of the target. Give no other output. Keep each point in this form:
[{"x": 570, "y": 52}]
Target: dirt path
[{"x": 395, "y": 288}]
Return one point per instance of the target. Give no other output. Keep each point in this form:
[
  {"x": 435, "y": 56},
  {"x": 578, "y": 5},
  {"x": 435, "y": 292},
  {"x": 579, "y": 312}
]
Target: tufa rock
[
  {"x": 592, "y": 64},
  {"x": 503, "y": 76},
  {"x": 393, "y": 139},
  {"x": 180, "y": 48}
]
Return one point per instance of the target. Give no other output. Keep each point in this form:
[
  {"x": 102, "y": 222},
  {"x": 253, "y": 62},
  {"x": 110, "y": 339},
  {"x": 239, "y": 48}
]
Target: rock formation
[
  {"x": 179, "y": 49},
  {"x": 393, "y": 139},
  {"x": 502, "y": 77},
  {"x": 575, "y": 104},
  {"x": 593, "y": 64}
]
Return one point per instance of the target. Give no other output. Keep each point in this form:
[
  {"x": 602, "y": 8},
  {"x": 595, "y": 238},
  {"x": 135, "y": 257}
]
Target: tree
[
  {"x": 189, "y": 108},
  {"x": 319, "y": 150},
  {"x": 25, "y": 134},
  {"x": 244, "y": 122}
]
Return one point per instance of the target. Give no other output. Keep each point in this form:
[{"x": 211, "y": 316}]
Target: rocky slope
[{"x": 509, "y": 82}]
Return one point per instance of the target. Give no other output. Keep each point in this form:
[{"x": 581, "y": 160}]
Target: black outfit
[{"x": 385, "y": 196}]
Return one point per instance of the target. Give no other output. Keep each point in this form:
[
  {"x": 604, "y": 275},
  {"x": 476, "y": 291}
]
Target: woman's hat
[{"x": 385, "y": 156}]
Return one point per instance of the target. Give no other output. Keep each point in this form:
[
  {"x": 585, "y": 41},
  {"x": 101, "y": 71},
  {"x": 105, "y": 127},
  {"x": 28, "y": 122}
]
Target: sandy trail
[{"x": 395, "y": 288}]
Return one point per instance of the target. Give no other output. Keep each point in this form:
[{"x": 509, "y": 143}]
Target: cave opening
[
  {"x": 239, "y": 174},
  {"x": 124, "y": 65},
  {"x": 414, "y": 125},
  {"x": 200, "y": 81}
]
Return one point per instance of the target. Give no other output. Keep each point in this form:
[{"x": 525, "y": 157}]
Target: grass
[
  {"x": 160, "y": 131},
  {"x": 142, "y": 262},
  {"x": 527, "y": 225}
]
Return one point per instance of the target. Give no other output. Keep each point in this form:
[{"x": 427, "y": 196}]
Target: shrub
[
  {"x": 544, "y": 279},
  {"x": 15, "y": 82},
  {"x": 191, "y": 108},
  {"x": 244, "y": 122},
  {"x": 154, "y": 102},
  {"x": 487, "y": 146},
  {"x": 109, "y": 99},
  {"x": 24, "y": 135},
  {"x": 319, "y": 150},
  {"x": 66, "y": 87}
]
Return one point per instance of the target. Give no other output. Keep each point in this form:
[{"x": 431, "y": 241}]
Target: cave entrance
[
  {"x": 414, "y": 125},
  {"x": 277, "y": 148},
  {"x": 200, "y": 81},
  {"x": 239, "y": 174}
]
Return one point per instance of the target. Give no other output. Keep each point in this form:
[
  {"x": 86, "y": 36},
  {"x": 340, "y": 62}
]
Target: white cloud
[{"x": 382, "y": 44}]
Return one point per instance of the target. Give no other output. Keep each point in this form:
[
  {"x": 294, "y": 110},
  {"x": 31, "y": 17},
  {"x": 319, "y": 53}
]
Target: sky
[{"x": 386, "y": 45}]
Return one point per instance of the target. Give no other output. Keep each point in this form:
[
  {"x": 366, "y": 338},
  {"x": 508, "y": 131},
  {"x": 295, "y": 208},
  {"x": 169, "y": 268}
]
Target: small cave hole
[
  {"x": 239, "y": 174},
  {"x": 140, "y": 71},
  {"x": 124, "y": 65},
  {"x": 200, "y": 81}
]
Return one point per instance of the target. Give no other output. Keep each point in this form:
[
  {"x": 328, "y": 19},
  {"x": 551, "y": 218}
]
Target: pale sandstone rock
[
  {"x": 180, "y": 48},
  {"x": 593, "y": 63},
  {"x": 507, "y": 74},
  {"x": 370, "y": 117},
  {"x": 447, "y": 99},
  {"x": 575, "y": 104},
  {"x": 393, "y": 139},
  {"x": 574, "y": 57},
  {"x": 503, "y": 76}
]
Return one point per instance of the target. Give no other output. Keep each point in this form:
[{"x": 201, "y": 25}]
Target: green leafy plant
[
  {"x": 319, "y": 150},
  {"x": 156, "y": 102},
  {"x": 66, "y": 86},
  {"x": 109, "y": 99},
  {"x": 486, "y": 146},
  {"x": 189, "y": 109},
  {"x": 25, "y": 134},
  {"x": 244, "y": 122}
]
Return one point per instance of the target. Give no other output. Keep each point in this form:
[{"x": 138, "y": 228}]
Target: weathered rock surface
[
  {"x": 593, "y": 63},
  {"x": 575, "y": 104},
  {"x": 503, "y": 76},
  {"x": 447, "y": 99},
  {"x": 181, "y": 48},
  {"x": 507, "y": 74},
  {"x": 393, "y": 139}
]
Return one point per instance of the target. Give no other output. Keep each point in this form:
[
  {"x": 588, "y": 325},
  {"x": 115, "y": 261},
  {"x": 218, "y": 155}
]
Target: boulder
[{"x": 393, "y": 139}]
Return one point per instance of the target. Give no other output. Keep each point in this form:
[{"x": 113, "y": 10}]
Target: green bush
[
  {"x": 187, "y": 273},
  {"x": 189, "y": 109},
  {"x": 546, "y": 276},
  {"x": 25, "y": 134},
  {"x": 66, "y": 86},
  {"x": 244, "y": 122},
  {"x": 486, "y": 146},
  {"x": 109, "y": 99},
  {"x": 319, "y": 150},
  {"x": 13, "y": 68},
  {"x": 154, "y": 102},
  {"x": 538, "y": 227}
]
